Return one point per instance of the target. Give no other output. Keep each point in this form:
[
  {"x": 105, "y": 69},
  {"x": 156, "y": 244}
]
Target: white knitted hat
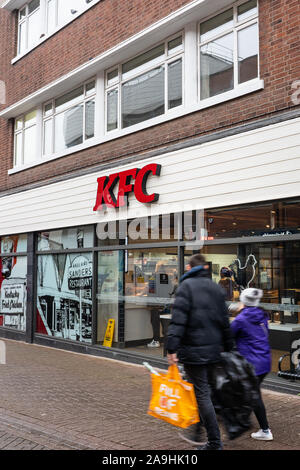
[{"x": 251, "y": 297}]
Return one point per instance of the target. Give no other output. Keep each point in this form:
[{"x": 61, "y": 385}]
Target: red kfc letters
[{"x": 106, "y": 185}]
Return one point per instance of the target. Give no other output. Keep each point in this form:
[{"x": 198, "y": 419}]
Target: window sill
[
  {"x": 47, "y": 36},
  {"x": 241, "y": 90}
]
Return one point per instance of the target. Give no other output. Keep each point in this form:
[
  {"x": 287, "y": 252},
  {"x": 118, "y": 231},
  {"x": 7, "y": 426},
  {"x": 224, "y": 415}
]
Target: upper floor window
[
  {"x": 146, "y": 86},
  {"x": 39, "y": 18},
  {"x": 29, "y": 25},
  {"x": 25, "y": 138},
  {"x": 60, "y": 12},
  {"x": 69, "y": 120},
  {"x": 229, "y": 49},
  {"x": 146, "y": 89}
]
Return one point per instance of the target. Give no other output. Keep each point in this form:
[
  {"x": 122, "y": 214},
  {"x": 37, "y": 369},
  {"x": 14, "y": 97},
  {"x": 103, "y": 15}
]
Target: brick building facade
[{"x": 219, "y": 84}]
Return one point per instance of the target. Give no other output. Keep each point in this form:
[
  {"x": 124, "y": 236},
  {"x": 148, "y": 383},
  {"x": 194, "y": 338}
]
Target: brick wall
[{"x": 109, "y": 23}]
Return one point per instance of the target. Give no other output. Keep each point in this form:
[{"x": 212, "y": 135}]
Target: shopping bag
[{"x": 173, "y": 399}]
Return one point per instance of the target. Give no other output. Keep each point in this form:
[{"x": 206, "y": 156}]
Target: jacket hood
[
  {"x": 254, "y": 314},
  {"x": 196, "y": 271}
]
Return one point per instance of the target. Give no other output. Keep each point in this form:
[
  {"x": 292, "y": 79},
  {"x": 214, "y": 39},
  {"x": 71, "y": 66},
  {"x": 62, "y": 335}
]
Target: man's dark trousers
[{"x": 199, "y": 376}]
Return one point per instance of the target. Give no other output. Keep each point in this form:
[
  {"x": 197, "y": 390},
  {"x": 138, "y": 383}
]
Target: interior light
[{"x": 268, "y": 226}]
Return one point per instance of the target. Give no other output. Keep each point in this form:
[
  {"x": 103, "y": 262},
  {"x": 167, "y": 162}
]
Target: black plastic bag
[{"x": 234, "y": 392}]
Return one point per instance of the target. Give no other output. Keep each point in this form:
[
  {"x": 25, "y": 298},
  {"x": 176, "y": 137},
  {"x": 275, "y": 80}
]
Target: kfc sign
[{"x": 134, "y": 180}]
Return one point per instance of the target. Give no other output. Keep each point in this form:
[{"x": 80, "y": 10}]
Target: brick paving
[{"x": 56, "y": 400}]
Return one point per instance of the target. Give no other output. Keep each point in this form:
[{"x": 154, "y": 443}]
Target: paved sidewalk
[{"x": 57, "y": 400}]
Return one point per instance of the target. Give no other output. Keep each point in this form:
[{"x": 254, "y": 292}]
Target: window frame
[
  {"x": 25, "y": 21},
  {"x": 168, "y": 59},
  {"x": 47, "y": 16},
  {"x": 189, "y": 54},
  {"x": 44, "y": 32},
  {"x": 83, "y": 99},
  {"x": 22, "y": 132},
  {"x": 235, "y": 28}
]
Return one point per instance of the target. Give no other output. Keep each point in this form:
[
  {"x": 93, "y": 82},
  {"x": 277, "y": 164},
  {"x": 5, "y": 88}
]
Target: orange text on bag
[{"x": 173, "y": 399}]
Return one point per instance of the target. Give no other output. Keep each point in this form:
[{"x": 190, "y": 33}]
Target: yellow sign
[{"x": 109, "y": 333}]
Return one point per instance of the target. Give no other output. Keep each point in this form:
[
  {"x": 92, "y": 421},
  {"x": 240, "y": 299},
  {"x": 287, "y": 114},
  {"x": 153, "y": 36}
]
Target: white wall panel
[{"x": 259, "y": 165}]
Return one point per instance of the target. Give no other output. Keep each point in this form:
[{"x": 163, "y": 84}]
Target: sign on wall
[
  {"x": 80, "y": 273},
  {"x": 106, "y": 187},
  {"x": 12, "y": 299}
]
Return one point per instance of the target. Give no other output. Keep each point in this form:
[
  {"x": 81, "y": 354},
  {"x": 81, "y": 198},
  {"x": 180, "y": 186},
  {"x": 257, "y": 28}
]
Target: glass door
[
  {"x": 110, "y": 295},
  {"x": 151, "y": 277}
]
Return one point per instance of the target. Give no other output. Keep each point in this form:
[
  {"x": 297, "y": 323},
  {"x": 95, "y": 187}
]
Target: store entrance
[{"x": 151, "y": 278}]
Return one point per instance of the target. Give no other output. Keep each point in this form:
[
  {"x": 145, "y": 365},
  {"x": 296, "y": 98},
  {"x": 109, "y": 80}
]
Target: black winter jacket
[{"x": 199, "y": 330}]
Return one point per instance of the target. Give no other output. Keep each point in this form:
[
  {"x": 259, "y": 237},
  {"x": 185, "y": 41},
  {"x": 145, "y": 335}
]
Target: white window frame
[
  {"x": 44, "y": 34},
  {"x": 56, "y": 15},
  {"x": 237, "y": 26},
  {"x": 168, "y": 59},
  {"x": 106, "y": 62},
  {"x": 25, "y": 21},
  {"x": 22, "y": 132},
  {"x": 80, "y": 100}
]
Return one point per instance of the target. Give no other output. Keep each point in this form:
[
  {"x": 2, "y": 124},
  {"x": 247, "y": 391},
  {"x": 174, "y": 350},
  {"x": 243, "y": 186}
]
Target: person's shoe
[
  {"x": 208, "y": 446},
  {"x": 153, "y": 344},
  {"x": 263, "y": 435},
  {"x": 194, "y": 434}
]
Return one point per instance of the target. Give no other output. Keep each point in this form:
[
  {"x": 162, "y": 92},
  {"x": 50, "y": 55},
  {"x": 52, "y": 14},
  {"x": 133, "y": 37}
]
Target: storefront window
[
  {"x": 158, "y": 228},
  {"x": 110, "y": 294},
  {"x": 67, "y": 238},
  {"x": 277, "y": 218},
  {"x": 218, "y": 257},
  {"x": 151, "y": 278},
  {"x": 13, "y": 282},
  {"x": 64, "y": 296},
  {"x": 272, "y": 267}
]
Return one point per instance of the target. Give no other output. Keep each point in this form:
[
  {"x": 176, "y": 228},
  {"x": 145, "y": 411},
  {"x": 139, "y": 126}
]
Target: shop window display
[
  {"x": 64, "y": 296},
  {"x": 272, "y": 267},
  {"x": 154, "y": 229},
  {"x": 13, "y": 282},
  {"x": 151, "y": 278},
  {"x": 110, "y": 296},
  {"x": 66, "y": 238},
  {"x": 274, "y": 218}
]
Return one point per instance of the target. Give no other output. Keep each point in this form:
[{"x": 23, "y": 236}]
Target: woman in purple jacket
[{"x": 250, "y": 329}]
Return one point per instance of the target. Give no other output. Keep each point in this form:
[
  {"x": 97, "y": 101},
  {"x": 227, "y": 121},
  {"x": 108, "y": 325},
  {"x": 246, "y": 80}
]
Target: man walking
[{"x": 199, "y": 331}]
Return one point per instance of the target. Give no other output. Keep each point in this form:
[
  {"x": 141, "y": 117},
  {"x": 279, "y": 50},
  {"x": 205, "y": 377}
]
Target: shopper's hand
[{"x": 172, "y": 359}]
